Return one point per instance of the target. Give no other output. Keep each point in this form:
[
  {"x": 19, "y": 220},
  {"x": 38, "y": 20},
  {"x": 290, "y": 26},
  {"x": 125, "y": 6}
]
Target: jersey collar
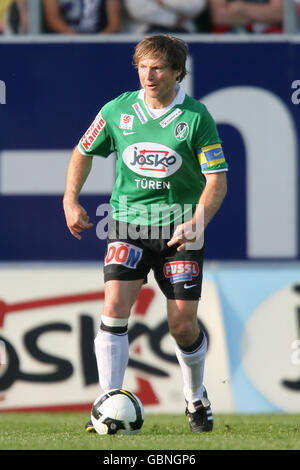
[{"x": 179, "y": 99}]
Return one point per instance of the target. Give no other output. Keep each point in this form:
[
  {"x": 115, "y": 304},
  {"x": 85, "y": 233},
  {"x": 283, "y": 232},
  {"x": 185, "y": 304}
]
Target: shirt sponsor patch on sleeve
[{"x": 93, "y": 131}]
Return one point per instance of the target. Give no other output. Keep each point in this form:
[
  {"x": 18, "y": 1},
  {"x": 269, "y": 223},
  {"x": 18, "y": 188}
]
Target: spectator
[
  {"x": 258, "y": 16},
  {"x": 204, "y": 21},
  {"x": 297, "y": 6},
  {"x": 82, "y": 16},
  {"x": 3, "y": 8},
  {"x": 3, "y": 11},
  {"x": 13, "y": 17},
  {"x": 163, "y": 16}
]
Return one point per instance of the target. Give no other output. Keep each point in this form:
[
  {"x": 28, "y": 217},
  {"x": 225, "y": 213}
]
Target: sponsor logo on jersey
[
  {"x": 181, "y": 271},
  {"x": 93, "y": 131},
  {"x": 128, "y": 132},
  {"x": 165, "y": 122},
  {"x": 151, "y": 159},
  {"x": 123, "y": 253},
  {"x": 181, "y": 131},
  {"x": 140, "y": 113},
  {"x": 126, "y": 121}
]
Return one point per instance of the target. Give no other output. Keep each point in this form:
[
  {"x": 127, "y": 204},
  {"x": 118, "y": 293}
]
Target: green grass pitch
[{"x": 65, "y": 431}]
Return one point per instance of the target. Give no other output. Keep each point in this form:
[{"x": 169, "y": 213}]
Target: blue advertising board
[{"x": 53, "y": 90}]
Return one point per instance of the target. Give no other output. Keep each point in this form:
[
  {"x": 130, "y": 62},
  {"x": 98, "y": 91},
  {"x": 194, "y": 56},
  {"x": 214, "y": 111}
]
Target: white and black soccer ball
[{"x": 117, "y": 412}]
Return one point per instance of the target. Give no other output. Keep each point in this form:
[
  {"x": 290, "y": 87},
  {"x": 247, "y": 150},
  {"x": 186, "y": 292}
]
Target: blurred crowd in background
[{"x": 147, "y": 16}]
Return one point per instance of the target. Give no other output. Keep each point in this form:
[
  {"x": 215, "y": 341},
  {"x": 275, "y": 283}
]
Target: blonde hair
[{"x": 174, "y": 50}]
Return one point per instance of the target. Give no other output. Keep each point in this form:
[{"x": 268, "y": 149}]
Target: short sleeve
[
  {"x": 209, "y": 145},
  {"x": 97, "y": 140}
]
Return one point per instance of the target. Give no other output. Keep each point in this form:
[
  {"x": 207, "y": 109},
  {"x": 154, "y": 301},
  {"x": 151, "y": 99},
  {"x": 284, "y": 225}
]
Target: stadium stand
[
  {"x": 161, "y": 16},
  {"x": 241, "y": 16},
  {"x": 148, "y": 16},
  {"x": 297, "y": 5},
  {"x": 13, "y": 17},
  {"x": 77, "y": 17}
]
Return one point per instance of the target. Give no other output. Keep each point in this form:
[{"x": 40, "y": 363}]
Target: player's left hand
[{"x": 183, "y": 234}]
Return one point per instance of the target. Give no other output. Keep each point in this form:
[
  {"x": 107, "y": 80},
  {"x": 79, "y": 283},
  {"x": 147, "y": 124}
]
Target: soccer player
[{"x": 170, "y": 177}]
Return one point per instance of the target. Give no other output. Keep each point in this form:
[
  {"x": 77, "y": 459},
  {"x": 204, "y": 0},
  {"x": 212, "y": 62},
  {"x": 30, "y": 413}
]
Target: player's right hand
[{"x": 76, "y": 218}]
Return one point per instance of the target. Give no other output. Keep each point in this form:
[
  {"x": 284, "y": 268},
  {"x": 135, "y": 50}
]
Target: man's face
[{"x": 158, "y": 80}]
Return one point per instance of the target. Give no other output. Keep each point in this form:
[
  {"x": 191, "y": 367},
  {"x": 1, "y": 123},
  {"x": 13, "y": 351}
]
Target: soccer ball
[{"x": 117, "y": 412}]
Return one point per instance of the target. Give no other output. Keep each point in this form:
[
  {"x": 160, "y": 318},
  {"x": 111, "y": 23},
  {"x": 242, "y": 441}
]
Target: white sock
[
  {"x": 112, "y": 352},
  {"x": 192, "y": 368}
]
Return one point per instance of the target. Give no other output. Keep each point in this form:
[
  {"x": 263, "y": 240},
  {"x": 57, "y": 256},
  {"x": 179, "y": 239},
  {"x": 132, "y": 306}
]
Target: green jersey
[{"x": 160, "y": 159}]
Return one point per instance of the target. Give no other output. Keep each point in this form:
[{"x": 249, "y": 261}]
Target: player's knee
[
  {"x": 116, "y": 309},
  {"x": 182, "y": 332}
]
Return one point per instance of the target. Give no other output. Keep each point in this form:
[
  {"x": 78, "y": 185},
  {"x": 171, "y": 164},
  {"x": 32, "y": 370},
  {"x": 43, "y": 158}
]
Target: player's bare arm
[
  {"x": 113, "y": 12},
  {"x": 209, "y": 203},
  {"x": 225, "y": 13},
  {"x": 78, "y": 170},
  {"x": 272, "y": 12},
  {"x": 297, "y": 5},
  {"x": 212, "y": 197},
  {"x": 54, "y": 19}
]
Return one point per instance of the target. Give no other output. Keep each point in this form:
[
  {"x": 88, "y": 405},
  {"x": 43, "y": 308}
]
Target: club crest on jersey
[
  {"x": 181, "y": 271},
  {"x": 126, "y": 121},
  {"x": 151, "y": 159},
  {"x": 181, "y": 131},
  {"x": 123, "y": 253}
]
